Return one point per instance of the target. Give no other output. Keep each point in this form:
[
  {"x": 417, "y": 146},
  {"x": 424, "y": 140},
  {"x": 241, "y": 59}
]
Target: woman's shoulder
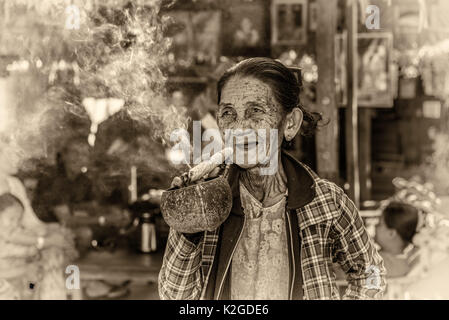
[
  {"x": 331, "y": 203},
  {"x": 324, "y": 186},
  {"x": 326, "y": 205},
  {"x": 330, "y": 192}
]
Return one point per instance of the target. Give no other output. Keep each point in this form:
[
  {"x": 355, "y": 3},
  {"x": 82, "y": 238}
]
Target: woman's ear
[{"x": 293, "y": 122}]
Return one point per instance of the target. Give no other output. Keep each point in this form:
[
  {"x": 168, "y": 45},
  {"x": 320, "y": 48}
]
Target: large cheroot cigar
[{"x": 203, "y": 169}]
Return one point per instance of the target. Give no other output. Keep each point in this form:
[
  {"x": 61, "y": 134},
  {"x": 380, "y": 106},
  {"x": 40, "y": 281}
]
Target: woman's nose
[{"x": 242, "y": 123}]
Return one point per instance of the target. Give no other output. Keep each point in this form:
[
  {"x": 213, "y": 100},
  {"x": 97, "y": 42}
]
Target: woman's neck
[{"x": 268, "y": 189}]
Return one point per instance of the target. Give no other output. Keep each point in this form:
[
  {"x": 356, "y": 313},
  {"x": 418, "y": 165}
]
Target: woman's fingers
[
  {"x": 177, "y": 182},
  {"x": 214, "y": 172},
  {"x": 202, "y": 171}
]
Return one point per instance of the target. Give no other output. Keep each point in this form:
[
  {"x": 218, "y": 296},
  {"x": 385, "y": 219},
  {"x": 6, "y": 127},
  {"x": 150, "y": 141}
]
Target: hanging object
[
  {"x": 133, "y": 185},
  {"x": 289, "y": 22},
  {"x": 64, "y": 67},
  {"x": 423, "y": 16},
  {"x": 100, "y": 110}
]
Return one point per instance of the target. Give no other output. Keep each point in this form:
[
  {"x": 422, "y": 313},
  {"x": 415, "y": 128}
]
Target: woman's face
[{"x": 249, "y": 104}]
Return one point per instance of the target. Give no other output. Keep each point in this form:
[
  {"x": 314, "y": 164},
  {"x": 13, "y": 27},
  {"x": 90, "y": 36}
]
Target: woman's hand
[
  {"x": 206, "y": 169},
  {"x": 184, "y": 180},
  {"x": 177, "y": 182}
]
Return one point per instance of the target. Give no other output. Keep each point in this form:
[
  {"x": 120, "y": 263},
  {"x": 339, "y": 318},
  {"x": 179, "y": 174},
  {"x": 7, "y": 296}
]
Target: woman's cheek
[
  {"x": 259, "y": 126},
  {"x": 224, "y": 123},
  {"x": 267, "y": 121},
  {"x": 258, "y": 123}
]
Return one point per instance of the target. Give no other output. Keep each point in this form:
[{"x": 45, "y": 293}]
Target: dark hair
[
  {"x": 8, "y": 200},
  {"x": 403, "y": 218},
  {"x": 283, "y": 82}
]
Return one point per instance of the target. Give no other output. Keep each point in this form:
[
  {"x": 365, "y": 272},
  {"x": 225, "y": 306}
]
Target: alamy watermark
[
  {"x": 372, "y": 21},
  {"x": 373, "y": 281},
  {"x": 72, "y": 282},
  {"x": 259, "y": 146},
  {"x": 73, "y": 17}
]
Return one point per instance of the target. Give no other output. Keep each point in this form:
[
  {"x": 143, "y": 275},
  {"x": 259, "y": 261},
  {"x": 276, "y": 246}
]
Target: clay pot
[{"x": 199, "y": 207}]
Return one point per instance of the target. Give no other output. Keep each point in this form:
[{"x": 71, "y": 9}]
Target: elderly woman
[{"x": 285, "y": 229}]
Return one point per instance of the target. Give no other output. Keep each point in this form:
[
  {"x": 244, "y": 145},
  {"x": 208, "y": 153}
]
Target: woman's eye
[
  {"x": 257, "y": 110},
  {"x": 226, "y": 113}
]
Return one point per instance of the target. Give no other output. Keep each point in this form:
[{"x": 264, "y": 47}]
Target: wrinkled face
[
  {"x": 248, "y": 103},
  {"x": 11, "y": 216}
]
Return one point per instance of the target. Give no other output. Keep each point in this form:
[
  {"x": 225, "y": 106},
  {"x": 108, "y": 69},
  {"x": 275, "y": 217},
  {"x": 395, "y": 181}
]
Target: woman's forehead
[{"x": 245, "y": 87}]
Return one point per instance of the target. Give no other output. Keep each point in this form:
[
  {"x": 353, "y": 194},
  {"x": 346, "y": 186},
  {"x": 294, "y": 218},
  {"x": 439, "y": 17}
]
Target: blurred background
[{"x": 91, "y": 90}]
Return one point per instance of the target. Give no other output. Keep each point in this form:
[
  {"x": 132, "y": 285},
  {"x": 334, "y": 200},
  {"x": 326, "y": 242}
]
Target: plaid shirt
[{"x": 331, "y": 230}]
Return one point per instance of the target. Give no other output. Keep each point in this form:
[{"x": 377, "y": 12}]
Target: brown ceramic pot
[{"x": 199, "y": 207}]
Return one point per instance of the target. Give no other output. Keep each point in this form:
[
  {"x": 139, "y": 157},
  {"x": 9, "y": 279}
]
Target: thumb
[
  {"x": 214, "y": 172},
  {"x": 177, "y": 182}
]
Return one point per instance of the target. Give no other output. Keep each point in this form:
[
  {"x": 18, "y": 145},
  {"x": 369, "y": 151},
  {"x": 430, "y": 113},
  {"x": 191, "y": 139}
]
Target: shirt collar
[{"x": 300, "y": 183}]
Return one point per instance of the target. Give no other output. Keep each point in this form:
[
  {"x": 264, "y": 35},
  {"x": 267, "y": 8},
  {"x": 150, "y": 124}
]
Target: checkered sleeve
[
  {"x": 180, "y": 276},
  {"x": 354, "y": 250}
]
